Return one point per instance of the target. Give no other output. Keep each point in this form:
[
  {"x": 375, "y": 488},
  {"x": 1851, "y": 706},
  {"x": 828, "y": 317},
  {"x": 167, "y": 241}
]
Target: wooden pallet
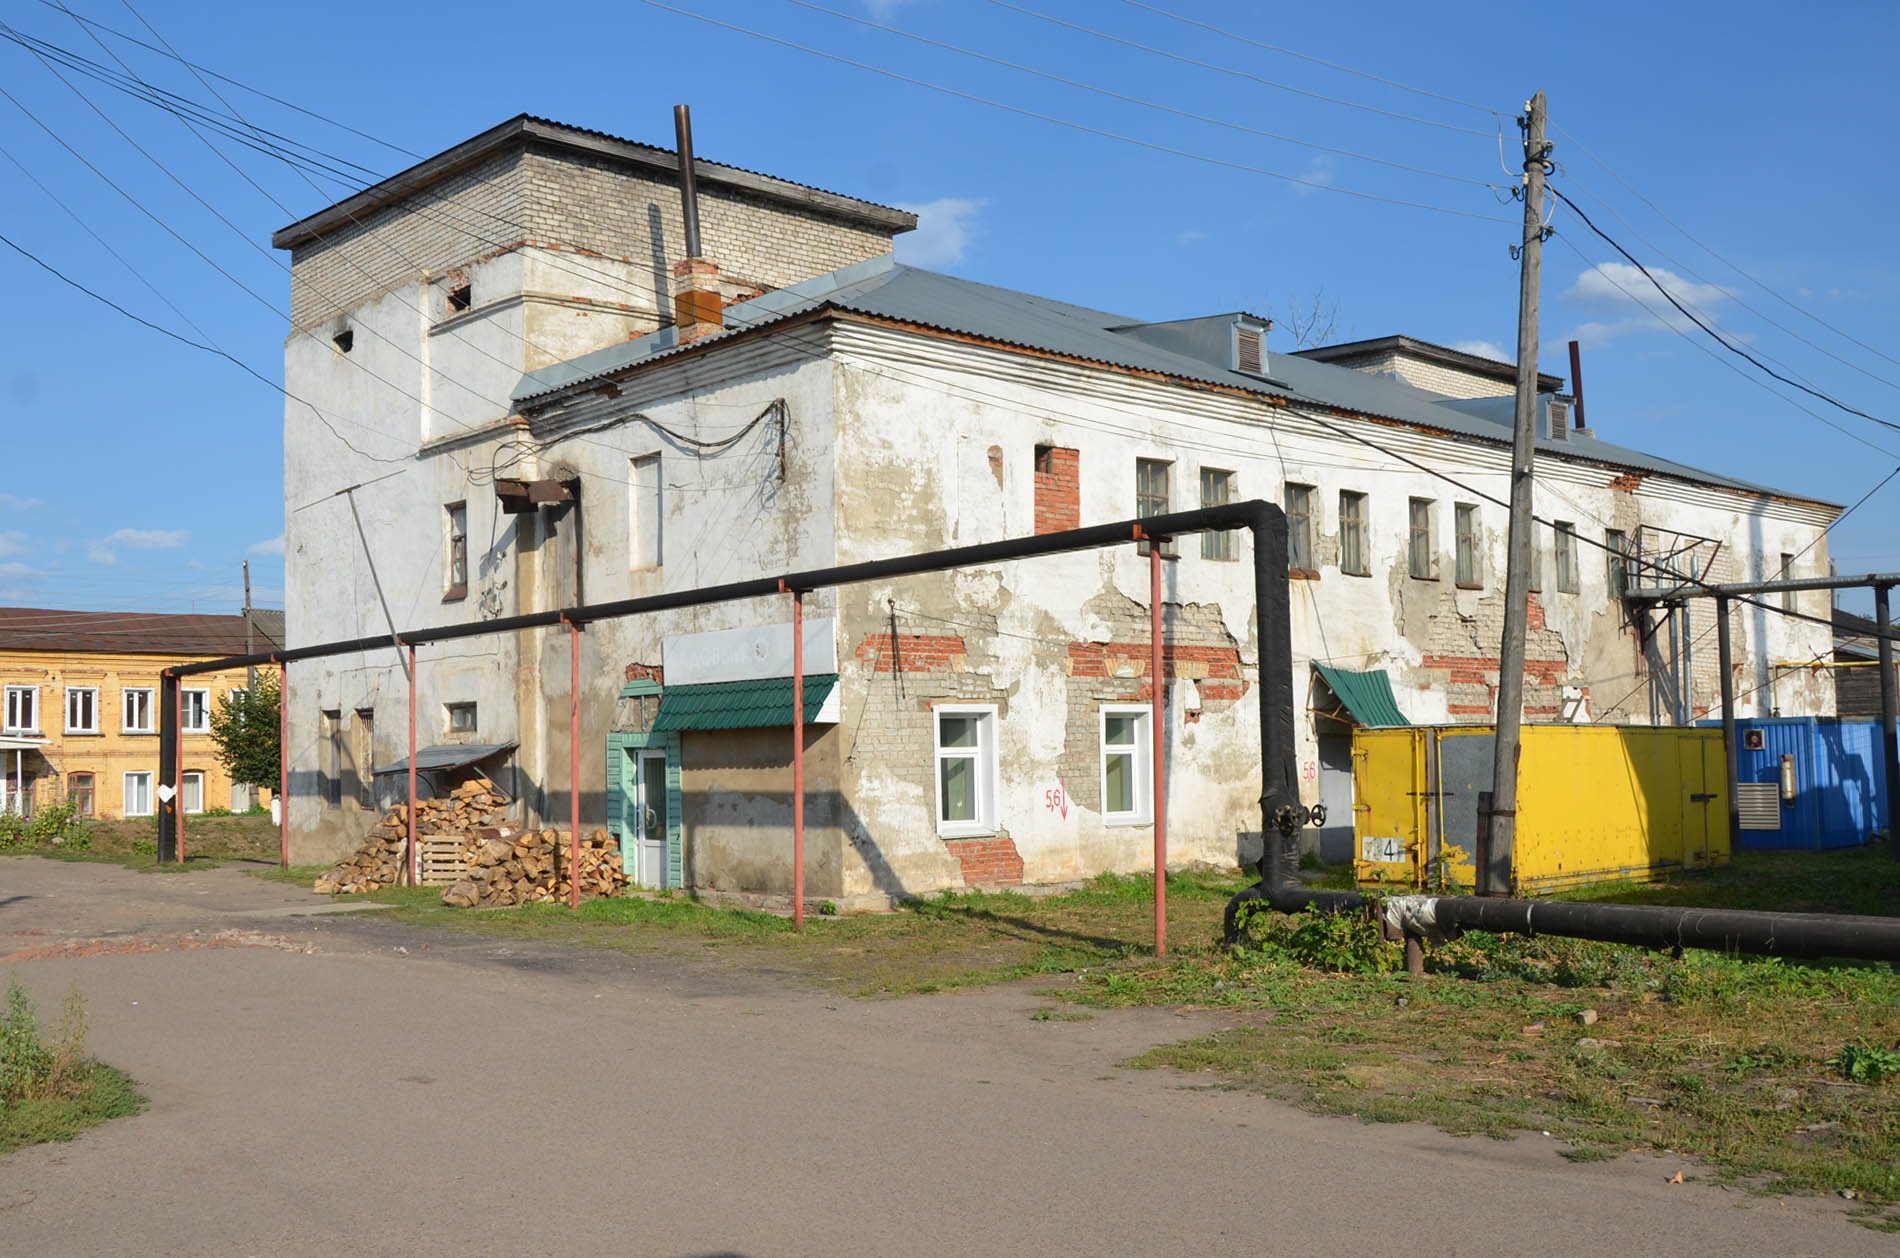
[{"x": 440, "y": 859}]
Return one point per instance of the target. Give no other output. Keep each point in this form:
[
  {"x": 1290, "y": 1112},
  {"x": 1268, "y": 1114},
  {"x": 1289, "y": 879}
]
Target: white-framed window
[
  {"x": 1127, "y": 765},
  {"x": 192, "y": 794},
  {"x": 194, "y": 709},
  {"x": 82, "y": 709},
  {"x": 137, "y": 710},
  {"x": 23, "y": 709},
  {"x": 138, "y": 794},
  {"x": 965, "y": 736}
]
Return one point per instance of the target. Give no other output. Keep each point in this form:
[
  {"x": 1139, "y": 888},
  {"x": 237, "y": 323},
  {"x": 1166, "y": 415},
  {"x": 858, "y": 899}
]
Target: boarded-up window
[
  {"x": 1617, "y": 562},
  {"x": 455, "y": 564},
  {"x": 1566, "y": 557},
  {"x": 1352, "y": 534},
  {"x": 1470, "y": 571},
  {"x": 1217, "y": 489},
  {"x": 643, "y": 541},
  {"x": 1419, "y": 544},
  {"x": 1299, "y": 527}
]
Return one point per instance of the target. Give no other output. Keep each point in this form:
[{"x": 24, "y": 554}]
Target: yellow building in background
[{"x": 80, "y": 717}]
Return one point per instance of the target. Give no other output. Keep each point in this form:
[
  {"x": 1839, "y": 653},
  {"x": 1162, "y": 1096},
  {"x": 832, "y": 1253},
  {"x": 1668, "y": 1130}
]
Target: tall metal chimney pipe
[
  {"x": 689, "y": 185},
  {"x": 1576, "y": 383}
]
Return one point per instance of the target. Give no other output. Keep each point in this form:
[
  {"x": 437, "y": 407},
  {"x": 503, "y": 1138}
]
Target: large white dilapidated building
[{"x": 542, "y": 402}]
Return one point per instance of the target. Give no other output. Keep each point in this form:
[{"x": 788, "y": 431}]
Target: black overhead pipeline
[{"x": 1262, "y": 519}]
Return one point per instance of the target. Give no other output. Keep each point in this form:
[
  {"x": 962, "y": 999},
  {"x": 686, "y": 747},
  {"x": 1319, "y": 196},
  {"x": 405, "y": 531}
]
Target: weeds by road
[{"x": 53, "y": 1091}]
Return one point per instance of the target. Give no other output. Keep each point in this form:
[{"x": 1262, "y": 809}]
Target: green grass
[
  {"x": 100, "y": 1093},
  {"x": 209, "y": 841},
  {"x": 52, "y": 1090},
  {"x": 953, "y": 940}
]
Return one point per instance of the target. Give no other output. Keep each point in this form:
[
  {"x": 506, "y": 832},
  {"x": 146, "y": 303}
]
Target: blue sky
[{"x": 141, "y": 474}]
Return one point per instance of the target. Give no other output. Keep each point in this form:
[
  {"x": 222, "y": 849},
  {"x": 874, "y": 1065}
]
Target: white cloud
[
  {"x": 12, "y": 544},
  {"x": 884, "y": 10},
  {"x": 150, "y": 539},
  {"x": 943, "y": 231},
  {"x": 102, "y": 551},
  {"x": 1485, "y": 349},
  {"x": 1319, "y": 171},
  {"x": 18, "y": 504},
  {"x": 274, "y": 546},
  {"x": 1625, "y": 300}
]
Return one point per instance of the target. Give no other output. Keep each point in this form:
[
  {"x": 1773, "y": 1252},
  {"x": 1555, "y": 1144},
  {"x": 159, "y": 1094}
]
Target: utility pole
[
  {"x": 1517, "y": 579},
  {"x": 250, "y": 674}
]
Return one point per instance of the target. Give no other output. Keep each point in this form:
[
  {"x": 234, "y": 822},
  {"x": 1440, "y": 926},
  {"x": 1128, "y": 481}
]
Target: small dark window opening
[
  {"x": 344, "y": 340},
  {"x": 460, "y": 298},
  {"x": 461, "y": 718},
  {"x": 1046, "y": 460}
]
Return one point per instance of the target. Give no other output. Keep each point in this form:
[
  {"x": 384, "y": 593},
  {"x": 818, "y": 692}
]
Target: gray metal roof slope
[{"x": 905, "y": 294}]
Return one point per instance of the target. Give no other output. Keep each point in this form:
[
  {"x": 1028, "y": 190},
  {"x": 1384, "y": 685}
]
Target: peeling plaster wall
[{"x": 918, "y": 422}]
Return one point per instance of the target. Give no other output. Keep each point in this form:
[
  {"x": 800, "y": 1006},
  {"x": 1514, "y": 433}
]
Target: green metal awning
[
  {"x": 1367, "y": 696},
  {"x": 751, "y": 704}
]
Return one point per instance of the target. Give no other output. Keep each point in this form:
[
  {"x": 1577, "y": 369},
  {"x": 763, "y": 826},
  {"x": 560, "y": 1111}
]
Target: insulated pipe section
[{"x": 1724, "y": 930}]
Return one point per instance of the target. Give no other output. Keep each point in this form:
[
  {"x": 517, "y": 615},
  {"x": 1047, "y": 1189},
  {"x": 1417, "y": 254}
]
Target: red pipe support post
[
  {"x": 283, "y": 765},
  {"x": 412, "y": 767},
  {"x": 1158, "y": 697},
  {"x": 798, "y": 760},
  {"x": 574, "y": 765}
]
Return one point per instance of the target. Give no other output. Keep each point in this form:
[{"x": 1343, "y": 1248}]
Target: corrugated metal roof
[
  {"x": 753, "y": 704},
  {"x": 1367, "y": 696},
  {"x": 905, "y": 294},
  {"x": 128, "y": 633},
  {"x": 447, "y": 756}
]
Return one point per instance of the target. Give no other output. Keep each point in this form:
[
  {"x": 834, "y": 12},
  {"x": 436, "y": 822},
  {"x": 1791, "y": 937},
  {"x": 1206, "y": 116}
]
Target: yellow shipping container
[{"x": 1596, "y": 803}]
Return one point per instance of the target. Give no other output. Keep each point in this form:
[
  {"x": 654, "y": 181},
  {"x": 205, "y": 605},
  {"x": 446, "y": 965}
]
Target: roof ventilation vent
[
  {"x": 1249, "y": 354},
  {"x": 1559, "y": 419}
]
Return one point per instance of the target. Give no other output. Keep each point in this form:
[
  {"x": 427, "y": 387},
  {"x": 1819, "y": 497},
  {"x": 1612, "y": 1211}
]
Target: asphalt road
[{"x": 326, "y": 1084}]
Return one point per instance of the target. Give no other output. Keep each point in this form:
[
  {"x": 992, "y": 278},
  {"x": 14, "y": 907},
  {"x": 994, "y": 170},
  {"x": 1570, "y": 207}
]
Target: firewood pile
[
  {"x": 470, "y": 807},
  {"x": 532, "y": 868}
]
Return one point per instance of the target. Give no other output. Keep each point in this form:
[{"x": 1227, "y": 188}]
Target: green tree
[{"x": 245, "y": 729}]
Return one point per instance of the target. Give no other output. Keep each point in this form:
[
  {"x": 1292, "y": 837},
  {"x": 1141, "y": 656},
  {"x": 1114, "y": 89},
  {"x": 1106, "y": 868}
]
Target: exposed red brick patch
[
  {"x": 1534, "y": 613},
  {"x": 912, "y": 653},
  {"x": 1481, "y": 670},
  {"x": 1058, "y": 489},
  {"x": 654, "y": 673},
  {"x": 987, "y": 862},
  {"x": 1628, "y": 482},
  {"x": 996, "y": 464},
  {"x": 1215, "y": 670}
]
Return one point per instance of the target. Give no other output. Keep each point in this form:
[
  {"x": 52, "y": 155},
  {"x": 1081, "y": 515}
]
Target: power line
[
  {"x": 1736, "y": 297},
  {"x": 1072, "y": 125},
  {"x": 277, "y": 100},
  {"x": 1726, "y": 364},
  {"x": 1137, "y": 100},
  {"x": 1235, "y": 72},
  {"x": 199, "y": 345},
  {"x": 1719, "y": 339},
  {"x": 1735, "y": 267}
]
